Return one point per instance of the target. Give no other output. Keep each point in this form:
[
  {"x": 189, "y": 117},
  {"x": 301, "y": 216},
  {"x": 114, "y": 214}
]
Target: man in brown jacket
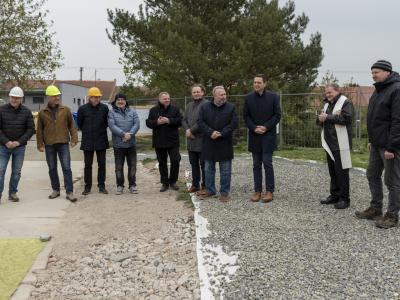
[{"x": 55, "y": 129}]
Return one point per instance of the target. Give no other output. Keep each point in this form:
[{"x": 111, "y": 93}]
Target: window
[{"x": 38, "y": 100}]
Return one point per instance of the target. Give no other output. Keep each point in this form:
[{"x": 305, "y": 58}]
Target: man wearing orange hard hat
[{"x": 92, "y": 120}]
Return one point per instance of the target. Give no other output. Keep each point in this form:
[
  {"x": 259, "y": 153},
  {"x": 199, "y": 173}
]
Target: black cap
[
  {"x": 119, "y": 95},
  {"x": 383, "y": 65}
]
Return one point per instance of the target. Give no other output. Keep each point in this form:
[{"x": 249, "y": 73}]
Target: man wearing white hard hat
[{"x": 16, "y": 128}]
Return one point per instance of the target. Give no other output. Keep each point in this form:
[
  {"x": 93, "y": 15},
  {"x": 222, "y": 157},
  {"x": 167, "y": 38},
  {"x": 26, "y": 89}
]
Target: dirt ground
[
  {"x": 152, "y": 227},
  {"x": 97, "y": 216}
]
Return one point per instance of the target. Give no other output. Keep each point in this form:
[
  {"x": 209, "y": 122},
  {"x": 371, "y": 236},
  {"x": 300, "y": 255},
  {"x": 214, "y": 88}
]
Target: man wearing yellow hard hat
[
  {"x": 16, "y": 128},
  {"x": 55, "y": 129},
  {"x": 92, "y": 121}
]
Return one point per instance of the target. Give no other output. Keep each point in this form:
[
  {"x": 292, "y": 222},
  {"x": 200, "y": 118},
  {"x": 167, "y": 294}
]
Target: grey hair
[
  {"x": 335, "y": 86},
  {"x": 218, "y": 87},
  {"x": 162, "y": 93}
]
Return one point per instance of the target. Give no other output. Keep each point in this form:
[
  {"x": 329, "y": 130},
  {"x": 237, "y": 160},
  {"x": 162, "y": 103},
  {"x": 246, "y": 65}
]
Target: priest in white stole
[{"x": 336, "y": 121}]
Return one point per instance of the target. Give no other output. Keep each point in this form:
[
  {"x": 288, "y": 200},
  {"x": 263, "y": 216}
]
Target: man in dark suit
[
  {"x": 218, "y": 120},
  {"x": 92, "y": 120},
  {"x": 165, "y": 120},
  {"x": 262, "y": 113}
]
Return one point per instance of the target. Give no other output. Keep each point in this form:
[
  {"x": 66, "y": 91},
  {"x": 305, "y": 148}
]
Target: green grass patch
[
  {"x": 16, "y": 258},
  {"x": 144, "y": 143},
  {"x": 183, "y": 195},
  {"x": 359, "y": 159},
  {"x": 148, "y": 160}
]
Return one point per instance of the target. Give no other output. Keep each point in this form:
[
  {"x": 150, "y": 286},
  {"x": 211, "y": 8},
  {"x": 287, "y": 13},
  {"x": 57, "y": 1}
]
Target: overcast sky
[{"x": 355, "y": 33}]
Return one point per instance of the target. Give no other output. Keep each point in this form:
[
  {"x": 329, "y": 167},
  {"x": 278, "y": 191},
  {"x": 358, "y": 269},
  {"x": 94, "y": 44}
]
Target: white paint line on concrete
[{"x": 206, "y": 263}]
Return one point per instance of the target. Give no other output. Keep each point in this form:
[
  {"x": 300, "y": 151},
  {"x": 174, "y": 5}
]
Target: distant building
[{"x": 73, "y": 92}]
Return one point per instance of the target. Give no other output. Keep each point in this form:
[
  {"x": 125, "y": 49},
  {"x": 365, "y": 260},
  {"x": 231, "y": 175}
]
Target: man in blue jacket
[
  {"x": 262, "y": 113},
  {"x": 124, "y": 123}
]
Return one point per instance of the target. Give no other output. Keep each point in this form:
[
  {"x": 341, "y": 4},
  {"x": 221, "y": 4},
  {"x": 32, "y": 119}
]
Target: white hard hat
[{"x": 16, "y": 91}]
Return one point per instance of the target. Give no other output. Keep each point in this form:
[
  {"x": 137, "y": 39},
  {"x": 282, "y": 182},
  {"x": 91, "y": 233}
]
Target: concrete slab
[{"x": 35, "y": 214}]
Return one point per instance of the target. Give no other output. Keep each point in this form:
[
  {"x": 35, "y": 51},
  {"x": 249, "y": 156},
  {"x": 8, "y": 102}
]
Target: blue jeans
[
  {"x": 259, "y": 159},
  {"x": 225, "y": 170},
  {"x": 18, "y": 155},
  {"x": 62, "y": 150}
]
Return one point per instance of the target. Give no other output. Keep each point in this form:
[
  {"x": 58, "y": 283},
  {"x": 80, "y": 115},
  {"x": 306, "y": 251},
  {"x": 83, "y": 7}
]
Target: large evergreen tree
[
  {"x": 27, "y": 49},
  {"x": 171, "y": 44}
]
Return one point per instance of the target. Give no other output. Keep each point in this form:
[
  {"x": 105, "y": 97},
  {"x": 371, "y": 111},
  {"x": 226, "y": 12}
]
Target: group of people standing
[
  {"x": 56, "y": 133},
  {"x": 209, "y": 127},
  {"x": 383, "y": 125}
]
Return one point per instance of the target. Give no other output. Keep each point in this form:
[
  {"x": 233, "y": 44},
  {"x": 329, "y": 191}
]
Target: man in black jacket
[
  {"x": 194, "y": 137},
  {"x": 217, "y": 121},
  {"x": 383, "y": 124},
  {"x": 262, "y": 113},
  {"x": 336, "y": 120},
  {"x": 165, "y": 120},
  {"x": 92, "y": 120},
  {"x": 16, "y": 128}
]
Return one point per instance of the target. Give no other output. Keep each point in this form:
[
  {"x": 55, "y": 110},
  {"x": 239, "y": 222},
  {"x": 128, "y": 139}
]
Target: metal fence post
[
  {"x": 184, "y": 116},
  {"x": 281, "y": 121}
]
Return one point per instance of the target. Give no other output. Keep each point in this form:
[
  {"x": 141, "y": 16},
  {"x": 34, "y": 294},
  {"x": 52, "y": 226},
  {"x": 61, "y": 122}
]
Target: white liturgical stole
[{"x": 342, "y": 136}]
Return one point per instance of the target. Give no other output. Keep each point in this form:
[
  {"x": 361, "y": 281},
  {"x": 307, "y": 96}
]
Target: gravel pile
[
  {"x": 136, "y": 268},
  {"x": 296, "y": 248}
]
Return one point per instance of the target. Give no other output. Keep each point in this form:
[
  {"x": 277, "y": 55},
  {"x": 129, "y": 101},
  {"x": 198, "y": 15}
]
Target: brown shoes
[
  {"x": 224, "y": 198},
  {"x": 371, "y": 213},
  {"x": 193, "y": 189},
  {"x": 201, "y": 192},
  {"x": 256, "y": 197},
  {"x": 205, "y": 195},
  {"x": 267, "y": 197},
  {"x": 389, "y": 220}
]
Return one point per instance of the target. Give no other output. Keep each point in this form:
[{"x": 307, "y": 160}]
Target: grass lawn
[
  {"x": 359, "y": 159},
  {"x": 16, "y": 258}
]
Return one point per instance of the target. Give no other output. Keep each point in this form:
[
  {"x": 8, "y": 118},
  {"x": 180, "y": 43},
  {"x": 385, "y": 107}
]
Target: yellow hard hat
[
  {"x": 94, "y": 92},
  {"x": 52, "y": 90}
]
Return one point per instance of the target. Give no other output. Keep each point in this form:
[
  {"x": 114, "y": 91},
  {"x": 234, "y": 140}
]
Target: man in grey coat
[{"x": 194, "y": 137}]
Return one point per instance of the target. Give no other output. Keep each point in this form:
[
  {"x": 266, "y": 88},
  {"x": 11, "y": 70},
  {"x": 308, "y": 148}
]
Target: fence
[{"x": 298, "y": 123}]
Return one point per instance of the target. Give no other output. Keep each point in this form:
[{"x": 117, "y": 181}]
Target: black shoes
[
  {"x": 102, "y": 190},
  {"x": 174, "y": 186},
  {"x": 338, "y": 204},
  {"x": 330, "y": 200},
  {"x": 163, "y": 188},
  {"x": 342, "y": 204}
]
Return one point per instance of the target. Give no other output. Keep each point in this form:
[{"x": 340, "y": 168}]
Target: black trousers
[
  {"x": 174, "y": 158},
  {"x": 120, "y": 155},
  {"x": 197, "y": 162},
  {"x": 340, "y": 183},
  {"x": 101, "y": 162}
]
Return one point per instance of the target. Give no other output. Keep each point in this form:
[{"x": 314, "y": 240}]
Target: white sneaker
[
  {"x": 133, "y": 189},
  {"x": 120, "y": 190}
]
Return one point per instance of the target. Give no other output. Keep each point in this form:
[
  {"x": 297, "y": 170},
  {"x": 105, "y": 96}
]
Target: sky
[{"x": 355, "y": 33}]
